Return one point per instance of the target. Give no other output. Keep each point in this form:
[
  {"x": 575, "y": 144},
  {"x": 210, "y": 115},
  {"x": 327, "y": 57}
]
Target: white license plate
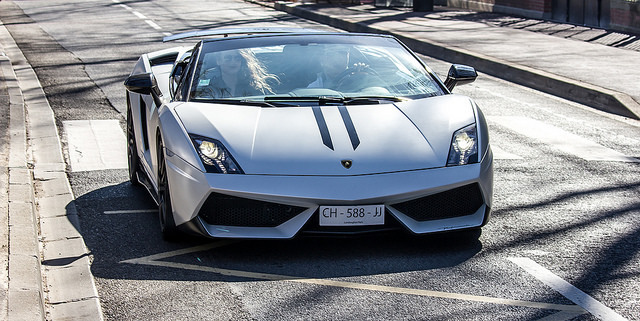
[{"x": 356, "y": 215}]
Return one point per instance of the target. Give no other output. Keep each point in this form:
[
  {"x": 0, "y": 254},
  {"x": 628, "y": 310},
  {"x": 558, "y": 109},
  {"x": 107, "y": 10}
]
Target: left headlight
[
  {"x": 464, "y": 147},
  {"x": 214, "y": 156}
]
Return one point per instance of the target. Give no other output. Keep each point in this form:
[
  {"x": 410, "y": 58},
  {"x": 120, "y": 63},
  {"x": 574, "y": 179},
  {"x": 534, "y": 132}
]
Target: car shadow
[{"x": 119, "y": 227}]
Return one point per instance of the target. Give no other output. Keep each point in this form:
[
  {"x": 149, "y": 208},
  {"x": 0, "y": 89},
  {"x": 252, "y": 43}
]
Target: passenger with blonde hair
[{"x": 239, "y": 74}]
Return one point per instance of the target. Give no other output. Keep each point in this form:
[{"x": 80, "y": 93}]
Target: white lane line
[
  {"x": 153, "y": 24},
  {"x": 154, "y": 260},
  {"x": 139, "y": 15},
  {"x": 129, "y": 212},
  {"x": 126, "y": 7},
  {"x": 561, "y": 139},
  {"x": 499, "y": 153},
  {"x": 95, "y": 145},
  {"x": 566, "y": 289},
  {"x": 199, "y": 248}
]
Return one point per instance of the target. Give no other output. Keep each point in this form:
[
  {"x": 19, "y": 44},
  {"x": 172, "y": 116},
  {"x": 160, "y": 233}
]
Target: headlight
[
  {"x": 214, "y": 156},
  {"x": 464, "y": 147}
]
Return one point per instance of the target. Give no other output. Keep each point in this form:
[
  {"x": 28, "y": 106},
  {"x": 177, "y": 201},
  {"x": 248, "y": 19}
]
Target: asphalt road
[{"x": 556, "y": 210}]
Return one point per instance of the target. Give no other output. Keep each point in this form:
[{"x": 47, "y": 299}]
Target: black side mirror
[
  {"x": 144, "y": 84},
  {"x": 460, "y": 75}
]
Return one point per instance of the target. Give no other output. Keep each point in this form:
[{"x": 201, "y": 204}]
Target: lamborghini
[{"x": 270, "y": 133}]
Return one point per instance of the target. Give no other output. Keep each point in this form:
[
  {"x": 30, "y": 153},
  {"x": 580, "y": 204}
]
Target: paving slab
[
  {"x": 59, "y": 228},
  {"x": 25, "y": 305},
  {"x": 64, "y": 254},
  {"x": 78, "y": 310},
  {"x": 56, "y": 205}
]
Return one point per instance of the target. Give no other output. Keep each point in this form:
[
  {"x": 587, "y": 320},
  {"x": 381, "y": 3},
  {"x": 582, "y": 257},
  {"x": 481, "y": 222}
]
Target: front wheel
[
  {"x": 133, "y": 161},
  {"x": 165, "y": 210}
]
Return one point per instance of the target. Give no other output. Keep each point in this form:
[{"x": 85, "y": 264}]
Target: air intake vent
[
  {"x": 221, "y": 209},
  {"x": 460, "y": 201},
  {"x": 170, "y": 59}
]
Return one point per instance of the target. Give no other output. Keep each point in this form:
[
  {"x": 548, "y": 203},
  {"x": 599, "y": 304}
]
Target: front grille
[
  {"x": 220, "y": 209},
  {"x": 456, "y": 202}
]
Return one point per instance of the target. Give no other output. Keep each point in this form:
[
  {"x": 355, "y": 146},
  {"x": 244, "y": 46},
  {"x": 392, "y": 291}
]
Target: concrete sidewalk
[
  {"x": 45, "y": 266},
  {"x": 578, "y": 66}
]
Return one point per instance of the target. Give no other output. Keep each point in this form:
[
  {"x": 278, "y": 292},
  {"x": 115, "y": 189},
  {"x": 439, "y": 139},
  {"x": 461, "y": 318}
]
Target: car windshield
[{"x": 312, "y": 68}]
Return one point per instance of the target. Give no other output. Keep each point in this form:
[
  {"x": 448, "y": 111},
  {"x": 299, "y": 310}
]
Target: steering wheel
[{"x": 357, "y": 77}]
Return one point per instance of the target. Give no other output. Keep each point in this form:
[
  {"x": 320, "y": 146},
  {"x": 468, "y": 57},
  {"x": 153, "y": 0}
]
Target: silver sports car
[{"x": 269, "y": 133}]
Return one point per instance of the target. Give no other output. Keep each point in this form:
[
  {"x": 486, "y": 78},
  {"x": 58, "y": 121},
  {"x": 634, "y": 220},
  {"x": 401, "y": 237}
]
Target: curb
[
  {"x": 591, "y": 95},
  {"x": 59, "y": 284},
  {"x": 25, "y": 299}
]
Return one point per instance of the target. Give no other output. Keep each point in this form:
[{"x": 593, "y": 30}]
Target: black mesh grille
[
  {"x": 457, "y": 202},
  {"x": 221, "y": 209}
]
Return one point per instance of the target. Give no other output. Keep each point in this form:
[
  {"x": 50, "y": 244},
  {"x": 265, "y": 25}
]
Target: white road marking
[
  {"x": 139, "y": 15},
  {"x": 499, "y": 153},
  {"x": 153, "y": 24},
  {"x": 129, "y": 212},
  {"x": 155, "y": 260},
  {"x": 126, "y": 7},
  {"x": 95, "y": 145},
  {"x": 150, "y": 22},
  {"x": 199, "y": 248},
  {"x": 561, "y": 139},
  {"x": 566, "y": 289}
]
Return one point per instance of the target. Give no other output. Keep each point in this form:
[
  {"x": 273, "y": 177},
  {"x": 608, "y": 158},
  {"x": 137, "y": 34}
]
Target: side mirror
[
  {"x": 144, "y": 84},
  {"x": 460, "y": 75}
]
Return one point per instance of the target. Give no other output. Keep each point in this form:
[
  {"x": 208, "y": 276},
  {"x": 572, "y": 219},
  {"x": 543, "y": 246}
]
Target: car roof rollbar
[{"x": 235, "y": 31}]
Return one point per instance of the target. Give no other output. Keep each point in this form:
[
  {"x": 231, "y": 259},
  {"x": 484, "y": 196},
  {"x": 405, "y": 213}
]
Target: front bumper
[{"x": 289, "y": 204}]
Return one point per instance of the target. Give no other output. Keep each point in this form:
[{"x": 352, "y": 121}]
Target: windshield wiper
[
  {"x": 244, "y": 102},
  {"x": 371, "y": 100},
  {"x": 328, "y": 100},
  {"x": 321, "y": 100}
]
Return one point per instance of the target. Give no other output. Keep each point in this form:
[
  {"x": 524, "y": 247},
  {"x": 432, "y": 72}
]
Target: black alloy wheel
[
  {"x": 133, "y": 161},
  {"x": 165, "y": 210}
]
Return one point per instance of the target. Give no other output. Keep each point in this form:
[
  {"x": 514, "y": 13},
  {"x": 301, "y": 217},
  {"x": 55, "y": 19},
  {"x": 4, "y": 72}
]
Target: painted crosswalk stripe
[
  {"x": 561, "y": 139},
  {"x": 95, "y": 145}
]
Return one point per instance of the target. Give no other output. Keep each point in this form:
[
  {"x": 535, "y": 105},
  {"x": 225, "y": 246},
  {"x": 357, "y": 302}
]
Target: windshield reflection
[{"x": 282, "y": 67}]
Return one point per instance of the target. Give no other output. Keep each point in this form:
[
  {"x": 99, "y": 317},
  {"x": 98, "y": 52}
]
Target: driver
[{"x": 334, "y": 62}]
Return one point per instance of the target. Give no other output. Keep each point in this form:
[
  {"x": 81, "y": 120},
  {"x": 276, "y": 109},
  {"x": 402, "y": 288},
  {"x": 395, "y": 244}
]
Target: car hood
[{"x": 318, "y": 140}]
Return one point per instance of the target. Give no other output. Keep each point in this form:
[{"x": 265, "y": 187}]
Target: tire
[
  {"x": 133, "y": 161},
  {"x": 165, "y": 209}
]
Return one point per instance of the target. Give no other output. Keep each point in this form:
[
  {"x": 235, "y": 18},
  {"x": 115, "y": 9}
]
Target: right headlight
[
  {"x": 214, "y": 156},
  {"x": 464, "y": 147}
]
